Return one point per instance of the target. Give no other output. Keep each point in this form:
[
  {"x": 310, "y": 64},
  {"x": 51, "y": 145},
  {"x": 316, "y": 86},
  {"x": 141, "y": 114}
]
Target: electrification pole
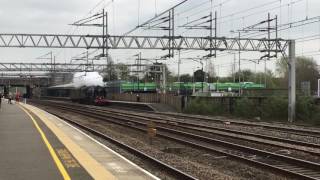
[
  {"x": 203, "y": 76},
  {"x": 292, "y": 82},
  {"x": 239, "y": 66},
  {"x": 164, "y": 80},
  {"x": 234, "y": 67},
  {"x": 103, "y": 33},
  {"x": 268, "y": 58},
  {"x": 318, "y": 87},
  {"x": 139, "y": 68},
  {"x": 179, "y": 62},
  {"x": 54, "y": 63},
  {"x": 51, "y": 59}
]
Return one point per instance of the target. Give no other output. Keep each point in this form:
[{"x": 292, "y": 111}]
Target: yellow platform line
[
  {"x": 95, "y": 169},
  {"x": 53, "y": 154}
]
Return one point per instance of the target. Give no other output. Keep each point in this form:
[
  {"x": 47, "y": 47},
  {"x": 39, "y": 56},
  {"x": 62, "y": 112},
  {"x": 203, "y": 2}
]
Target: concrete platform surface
[
  {"x": 37, "y": 145},
  {"x": 100, "y": 161},
  {"x": 24, "y": 154}
]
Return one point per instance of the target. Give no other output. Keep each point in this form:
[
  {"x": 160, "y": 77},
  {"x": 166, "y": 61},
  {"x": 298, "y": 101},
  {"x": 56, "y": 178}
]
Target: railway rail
[
  {"x": 202, "y": 128},
  {"x": 290, "y": 166},
  {"x": 206, "y": 128},
  {"x": 297, "y": 131},
  {"x": 161, "y": 165},
  {"x": 279, "y": 127}
]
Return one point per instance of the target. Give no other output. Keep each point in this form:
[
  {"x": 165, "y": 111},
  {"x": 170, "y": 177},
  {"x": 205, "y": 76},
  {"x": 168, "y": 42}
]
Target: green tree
[
  {"x": 186, "y": 78},
  {"x": 123, "y": 71},
  {"x": 271, "y": 81},
  {"x": 245, "y": 75},
  {"x": 306, "y": 70},
  {"x": 115, "y": 72},
  {"x": 248, "y": 76},
  {"x": 155, "y": 74},
  {"x": 110, "y": 73},
  {"x": 199, "y": 75}
]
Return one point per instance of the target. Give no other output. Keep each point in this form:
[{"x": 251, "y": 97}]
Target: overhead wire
[
  {"x": 287, "y": 26},
  {"x": 84, "y": 16},
  {"x": 259, "y": 12},
  {"x": 254, "y": 7},
  {"x": 280, "y": 9},
  {"x": 107, "y": 4},
  {"x": 244, "y": 11},
  {"x": 291, "y": 25},
  {"x": 193, "y": 8},
  {"x": 206, "y": 9}
]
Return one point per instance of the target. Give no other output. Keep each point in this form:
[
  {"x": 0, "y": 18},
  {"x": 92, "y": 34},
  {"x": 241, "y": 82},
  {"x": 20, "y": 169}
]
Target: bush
[
  {"x": 202, "y": 107},
  {"x": 305, "y": 108},
  {"x": 246, "y": 108},
  {"x": 275, "y": 108},
  {"x": 316, "y": 116}
]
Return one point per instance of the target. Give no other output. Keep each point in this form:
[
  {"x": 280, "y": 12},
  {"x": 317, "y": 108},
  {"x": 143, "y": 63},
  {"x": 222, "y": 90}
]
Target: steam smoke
[{"x": 81, "y": 79}]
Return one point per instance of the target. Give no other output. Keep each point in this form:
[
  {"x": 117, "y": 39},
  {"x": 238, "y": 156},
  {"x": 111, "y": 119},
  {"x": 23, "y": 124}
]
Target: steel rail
[
  {"x": 252, "y": 124},
  {"x": 208, "y": 129},
  {"x": 185, "y": 124},
  {"x": 293, "y": 169},
  {"x": 192, "y": 126},
  {"x": 169, "y": 169}
]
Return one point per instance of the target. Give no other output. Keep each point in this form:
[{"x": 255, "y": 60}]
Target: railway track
[
  {"x": 293, "y": 130},
  {"x": 205, "y": 128},
  {"x": 297, "y": 131},
  {"x": 209, "y": 129},
  {"x": 145, "y": 157},
  {"x": 278, "y": 163}
]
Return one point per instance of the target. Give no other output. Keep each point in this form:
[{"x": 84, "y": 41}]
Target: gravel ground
[
  {"x": 257, "y": 130},
  {"x": 200, "y": 164},
  {"x": 270, "y": 148},
  {"x": 285, "y": 149}
]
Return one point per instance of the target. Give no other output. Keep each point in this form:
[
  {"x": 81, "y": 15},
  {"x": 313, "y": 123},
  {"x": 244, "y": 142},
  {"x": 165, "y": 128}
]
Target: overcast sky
[{"x": 48, "y": 16}]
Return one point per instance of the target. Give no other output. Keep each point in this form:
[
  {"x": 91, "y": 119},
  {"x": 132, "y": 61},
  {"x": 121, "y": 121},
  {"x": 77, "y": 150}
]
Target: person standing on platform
[
  {"x": 17, "y": 97},
  {"x": 0, "y": 100},
  {"x": 10, "y": 98}
]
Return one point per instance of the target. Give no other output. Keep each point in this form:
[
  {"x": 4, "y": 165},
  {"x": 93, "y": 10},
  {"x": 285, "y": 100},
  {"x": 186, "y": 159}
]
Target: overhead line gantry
[
  {"x": 169, "y": 42},
  {"x": 142, "y": 42}
]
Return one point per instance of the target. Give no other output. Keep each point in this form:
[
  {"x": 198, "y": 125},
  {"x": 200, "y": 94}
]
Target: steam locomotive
[{"x": 93, "y": 95}]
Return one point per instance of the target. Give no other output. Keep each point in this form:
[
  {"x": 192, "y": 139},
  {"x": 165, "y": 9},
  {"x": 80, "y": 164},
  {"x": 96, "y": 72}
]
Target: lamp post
[
  {"x": 239, "y": 62},
  {"x": 138, "y": 67}
]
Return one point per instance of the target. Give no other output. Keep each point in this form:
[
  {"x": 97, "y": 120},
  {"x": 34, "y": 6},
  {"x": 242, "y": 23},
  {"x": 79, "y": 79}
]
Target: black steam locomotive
[{"x": 95, "y": 95}]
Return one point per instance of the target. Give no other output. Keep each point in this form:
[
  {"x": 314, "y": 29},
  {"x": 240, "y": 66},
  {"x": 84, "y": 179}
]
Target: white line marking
[
  {"x": 96, "y": 141},
  {"x": 116, "y": 167},
  {"x": 77, "y": 138}
]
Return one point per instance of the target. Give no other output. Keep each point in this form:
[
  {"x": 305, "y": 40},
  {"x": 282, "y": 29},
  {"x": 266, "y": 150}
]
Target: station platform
[{"x": 37, "y": 145}]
